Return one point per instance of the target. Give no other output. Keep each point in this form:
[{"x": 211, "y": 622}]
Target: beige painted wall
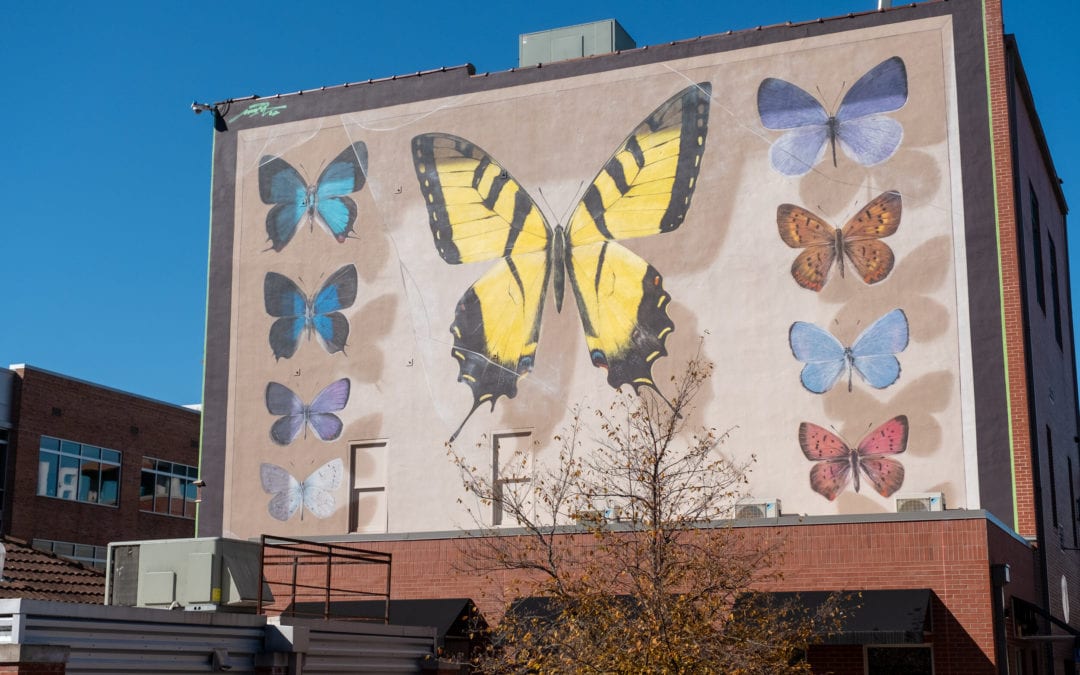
[{"x": 726, "y": 268}]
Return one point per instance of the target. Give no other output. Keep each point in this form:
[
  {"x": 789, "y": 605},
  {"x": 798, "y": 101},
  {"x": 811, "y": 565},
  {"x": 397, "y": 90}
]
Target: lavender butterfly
[
  {"x": 860, "y": 127},
  {"x": 280, "y": 400}
]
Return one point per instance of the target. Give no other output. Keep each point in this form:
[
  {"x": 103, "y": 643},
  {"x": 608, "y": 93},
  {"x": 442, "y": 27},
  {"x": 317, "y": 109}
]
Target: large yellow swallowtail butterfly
[{"x": 477, "y": 211}]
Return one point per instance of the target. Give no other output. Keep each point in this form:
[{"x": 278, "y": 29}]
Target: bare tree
[{"x": 627, "y": 546}]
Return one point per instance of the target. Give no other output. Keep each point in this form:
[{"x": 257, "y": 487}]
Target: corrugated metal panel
[
  {"x": 339, "y": 647},
  {"x": 127, "y": 640},
  {"x": 110, "y": 639}
]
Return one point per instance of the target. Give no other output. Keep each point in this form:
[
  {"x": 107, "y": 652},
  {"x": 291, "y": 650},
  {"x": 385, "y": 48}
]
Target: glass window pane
[
  {"x": 899, "y": 660},
  {"x": 176, "y": 503},
  {"x": 164, "y": 467},
  {"x": 148, "y": 464},
  {"x": 110, "y": 456},
  {"x": 193, "y": 472},
  {"x": 67, "y": 480},
  {"x": 89, "y": 481},
  {"x": 161, "y": 492},
  {"x": 63, "y": 548},
  {"x": 110, "y": 485},
  {"x": 91, "y": 451},
  {"x": 146, "y": 491},
  {"x": 50, "y": 443},
  {"x": 48, "y": 466},
  {"x": 69, "y": 448}
]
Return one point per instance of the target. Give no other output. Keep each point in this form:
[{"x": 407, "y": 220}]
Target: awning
[
  {"x": 870, "y": 617},
  {"x": 455, "y": 617}
]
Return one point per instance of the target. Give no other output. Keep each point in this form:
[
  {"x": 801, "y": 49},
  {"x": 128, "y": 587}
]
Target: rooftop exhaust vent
[{"x": 572, "y": 42}]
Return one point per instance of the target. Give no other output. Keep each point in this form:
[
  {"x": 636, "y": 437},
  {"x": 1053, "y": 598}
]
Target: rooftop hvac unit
[
  {"x": 572, "y": 42},
  {"x": 925, "y": 501},
  {"x": 765, "y": 508},
  {"x": 206, "y": 574}
]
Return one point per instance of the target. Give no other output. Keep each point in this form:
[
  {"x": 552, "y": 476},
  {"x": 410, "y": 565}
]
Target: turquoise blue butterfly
[
  {"x": 293, "y": 198},
  {"x": 872, "y": 355}
]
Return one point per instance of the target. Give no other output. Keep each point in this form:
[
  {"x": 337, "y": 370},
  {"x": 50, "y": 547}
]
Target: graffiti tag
[{"x": 262, "y": 109}]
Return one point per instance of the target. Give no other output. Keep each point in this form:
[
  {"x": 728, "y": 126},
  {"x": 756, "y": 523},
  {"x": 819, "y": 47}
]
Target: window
[
  {"x": 1052, "y": 477},
  {"x": 367, "y": 488},
  {"x": 896, "y": 660},
  {"x": 1036, "y": 244},
  {"x": 78, "y": 472},
  {"x": 95, "y": 556},
  {"x": 168, "y": 488},
  {"x": 1072, "y": 499},
  {"x": 510, "y": 465},
  {"x": 1055, "y": 289}
]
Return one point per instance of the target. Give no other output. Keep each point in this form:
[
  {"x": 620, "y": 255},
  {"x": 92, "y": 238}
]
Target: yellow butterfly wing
[
  {"x": 645, "y": 188},
  {"x": 477, "y": 211}
]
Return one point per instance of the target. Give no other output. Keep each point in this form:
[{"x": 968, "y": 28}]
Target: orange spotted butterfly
[
  {"x": 823, "y": 243},
  {"x": 838, "y": 463}
]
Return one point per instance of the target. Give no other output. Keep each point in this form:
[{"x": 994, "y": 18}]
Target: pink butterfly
[{"x": 838, "y": 462}]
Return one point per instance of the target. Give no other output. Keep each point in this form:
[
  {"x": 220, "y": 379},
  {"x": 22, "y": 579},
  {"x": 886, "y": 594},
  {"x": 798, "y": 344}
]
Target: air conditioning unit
[
  {"x": 764, "y": 508},
  {"x": 203, "y": 574},
  {"x": 922, "y": 501}
]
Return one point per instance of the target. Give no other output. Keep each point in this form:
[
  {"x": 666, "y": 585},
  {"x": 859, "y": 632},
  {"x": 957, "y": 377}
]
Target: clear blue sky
[{"x": 106, "y": 171}]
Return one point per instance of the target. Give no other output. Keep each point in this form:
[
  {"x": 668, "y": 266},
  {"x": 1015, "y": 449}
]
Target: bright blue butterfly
[
  {"x": 864, "y": 133},
  {"x": 318, "y": 315},
  {"x": 282, "y": 186},
  {"x": 872, "y": 355}
]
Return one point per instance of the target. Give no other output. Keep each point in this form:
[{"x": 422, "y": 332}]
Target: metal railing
[{"x": 305, "y": 578}]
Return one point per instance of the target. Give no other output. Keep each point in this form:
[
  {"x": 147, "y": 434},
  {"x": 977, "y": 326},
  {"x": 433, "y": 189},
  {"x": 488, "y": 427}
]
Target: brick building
[
  {"x": 84, "y": 465},
  {"x": 333, "y": 382}
]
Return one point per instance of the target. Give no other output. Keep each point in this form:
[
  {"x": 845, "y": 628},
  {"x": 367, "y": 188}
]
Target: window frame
[
  {"x": 164, "y": 473},
  {"x": 68, "y": 455}
]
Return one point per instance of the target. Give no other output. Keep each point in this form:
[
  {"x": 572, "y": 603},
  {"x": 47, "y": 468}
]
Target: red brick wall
[
  {"x": 950, "y": 557},
  {"x": 1012, "y": 283},
  {"x": 97, "y": 416}
]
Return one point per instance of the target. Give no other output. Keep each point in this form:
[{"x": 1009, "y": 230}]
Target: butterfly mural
[
  {"x": 295, "y": 415},
  {"x": 478, "y": 211},
  {"x": 315, "y": 493},
  {"x": 824, "y": 244},
  {"x": 318, "y": 315},
  {"x": 860, "y": 126},
  {"x": 872, "y": 355},
  {"x": 293, "y": 198},
  {"x": 838, "y": 463}
]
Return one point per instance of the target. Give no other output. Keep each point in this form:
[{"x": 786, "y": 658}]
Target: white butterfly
[{"x": 314, "y": 494}]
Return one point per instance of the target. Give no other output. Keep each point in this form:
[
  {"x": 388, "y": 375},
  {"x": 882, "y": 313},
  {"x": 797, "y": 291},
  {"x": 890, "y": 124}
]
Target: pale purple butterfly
[
  {"x": 860, "y": 127},
  {"x": 280, "y": 400}
]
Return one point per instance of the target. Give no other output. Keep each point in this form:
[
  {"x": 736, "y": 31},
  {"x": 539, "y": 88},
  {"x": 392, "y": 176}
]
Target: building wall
[
  {"x": 48, "y": 404},
  {"x": 549, "y": 134},
  {"x": 1041, "y": 225}
]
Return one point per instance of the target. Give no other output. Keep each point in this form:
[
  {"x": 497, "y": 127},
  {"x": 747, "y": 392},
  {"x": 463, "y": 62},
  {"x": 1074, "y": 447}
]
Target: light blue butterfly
[
  {"x": 872, "y": 355},
  {"x": 864, "y": 133},
  {"x": 281, "y": 185}
]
